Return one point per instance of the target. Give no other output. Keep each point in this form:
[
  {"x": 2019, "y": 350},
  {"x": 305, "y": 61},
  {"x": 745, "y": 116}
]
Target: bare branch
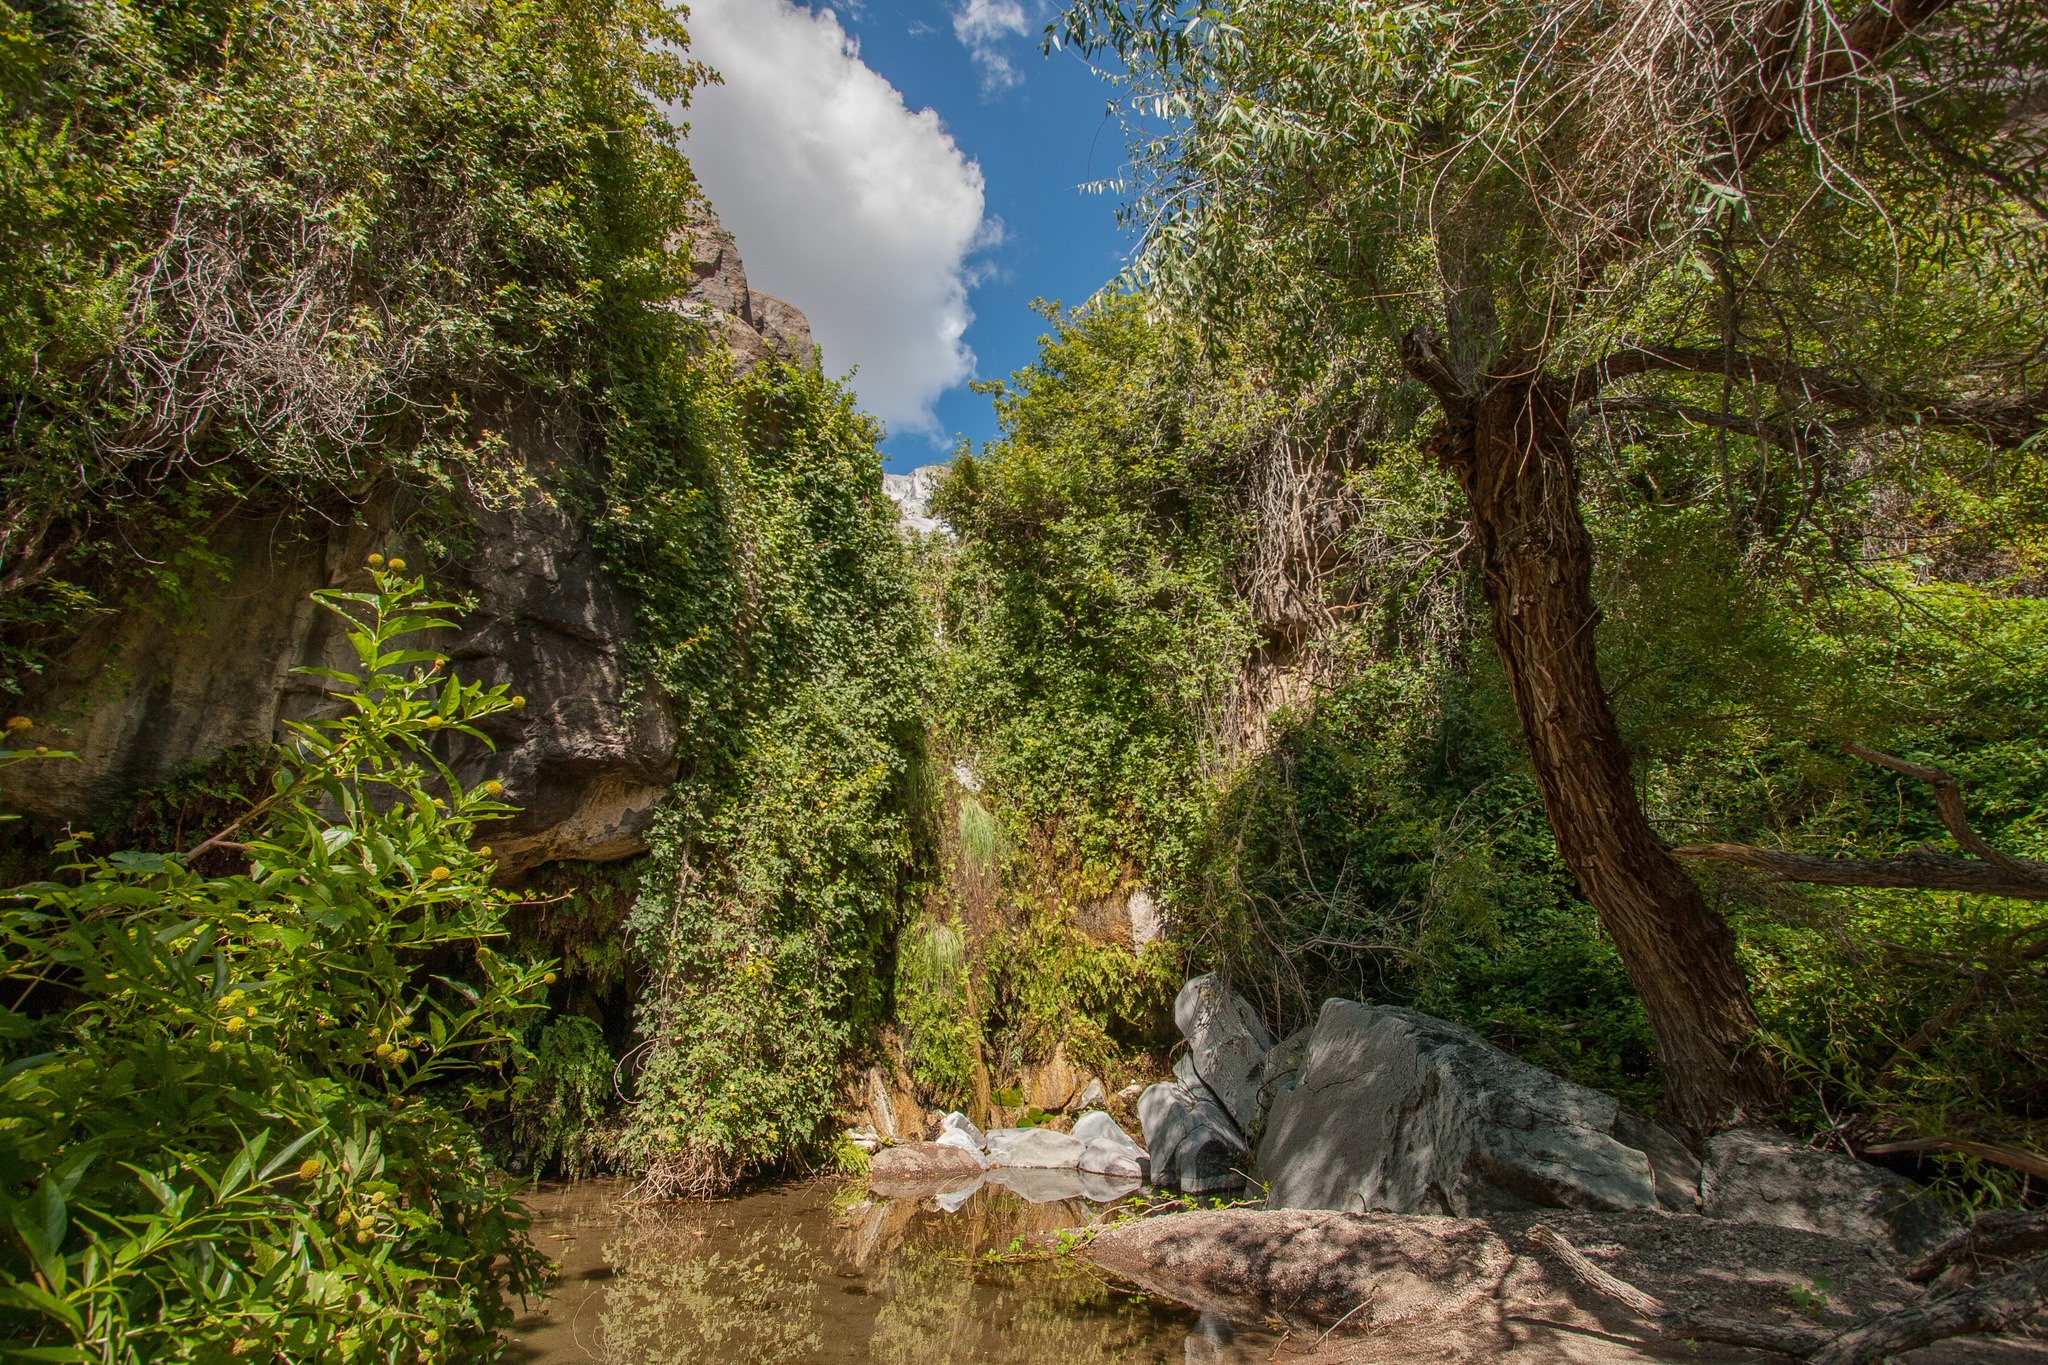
[
  {"x": 1990, "y": 873},
  {"x": 1997, "y": 1235},
  {"x": 2004, "y": 421}
]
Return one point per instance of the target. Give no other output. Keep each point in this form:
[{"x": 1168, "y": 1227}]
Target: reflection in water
[{"x": 818, "y": 1272}]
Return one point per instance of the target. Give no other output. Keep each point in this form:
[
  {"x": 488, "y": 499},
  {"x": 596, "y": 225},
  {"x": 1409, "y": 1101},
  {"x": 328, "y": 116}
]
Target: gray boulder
[
  {"x": 1227, "y": 1045},
  {"x": 1194, "y": 1145},
  {"x": 1399, "y": 1112},
  {"x": 1753, "y": 1175}
]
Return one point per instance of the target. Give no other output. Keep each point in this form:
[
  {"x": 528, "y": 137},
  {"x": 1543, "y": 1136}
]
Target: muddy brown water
[{"x": 821, "y": 1273}]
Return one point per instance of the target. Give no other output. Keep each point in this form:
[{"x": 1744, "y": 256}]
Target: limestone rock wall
[{"x": 140, "y": 695}]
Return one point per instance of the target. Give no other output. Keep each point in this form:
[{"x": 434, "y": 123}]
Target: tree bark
[{"x": 1511, "y": 452}]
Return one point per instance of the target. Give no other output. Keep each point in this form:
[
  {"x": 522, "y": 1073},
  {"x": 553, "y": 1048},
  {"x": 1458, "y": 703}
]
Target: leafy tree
[{"x": 1544, "y": 210}]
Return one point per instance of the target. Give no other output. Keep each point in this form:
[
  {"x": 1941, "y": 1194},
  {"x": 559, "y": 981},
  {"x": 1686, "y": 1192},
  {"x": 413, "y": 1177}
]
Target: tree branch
[
  {"x": 2004, "y": 421},
  {"x": 1778, "y": 434},
  {"x": 1990, "y": 873}
]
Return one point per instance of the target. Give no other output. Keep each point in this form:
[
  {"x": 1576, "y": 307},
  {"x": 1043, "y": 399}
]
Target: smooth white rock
[
  {"x": 953, "y": 1137},
  {"x": 957, "y": 1122},
  {"x": 1106, "y": 1157},
  {"x": 1039, "y": 1148},
  {"x": 1097, "y": 1126}
]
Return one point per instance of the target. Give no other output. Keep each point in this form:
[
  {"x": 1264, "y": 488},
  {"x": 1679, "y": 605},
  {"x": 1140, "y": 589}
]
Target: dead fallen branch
[
  {"x": 1990, "y": 1307},
  {"x": 1669, "y": 1322},
  {"x": 2000, "y": 1235}
]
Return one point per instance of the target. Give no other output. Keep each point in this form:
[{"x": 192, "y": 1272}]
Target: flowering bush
[{"x": 229, "y": 1110}]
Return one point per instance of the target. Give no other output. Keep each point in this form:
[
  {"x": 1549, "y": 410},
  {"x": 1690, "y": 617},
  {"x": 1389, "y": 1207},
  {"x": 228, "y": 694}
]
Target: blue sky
[{"x": 896, "y": 166}]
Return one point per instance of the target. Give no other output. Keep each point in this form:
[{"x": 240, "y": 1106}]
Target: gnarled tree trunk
[{"x": 1511, "y": 451}]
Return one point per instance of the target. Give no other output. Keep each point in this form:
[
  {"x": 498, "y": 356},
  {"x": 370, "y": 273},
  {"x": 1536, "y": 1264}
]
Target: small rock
[
  {"x": 1091, "y": 1094},
  {"x": 923, "y": 1161},
  {"x": 1227, "y": 1045},
  {"x": 1753, "y": 1175},
  {"x": 1034, "y": 1147},
  {"x": 1131, "y": 1091},
  {"x": 958, "y": 1122},
  {"x": 1193, "y": 1143},
  {"x": 864, "y": 1138},
  {"x": 1097, "y": 1126}
]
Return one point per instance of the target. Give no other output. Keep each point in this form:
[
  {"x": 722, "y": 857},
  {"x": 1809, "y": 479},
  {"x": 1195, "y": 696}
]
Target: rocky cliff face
[
  {"x": 751, "y": 324},
  {"x": 140, "y": 697}
]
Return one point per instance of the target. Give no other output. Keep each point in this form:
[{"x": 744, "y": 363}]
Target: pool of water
[{"x": 821, "y": 1272}]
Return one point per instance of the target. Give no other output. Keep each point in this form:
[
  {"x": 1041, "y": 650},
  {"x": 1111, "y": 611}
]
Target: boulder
[
  {"x": 1753, "y": 1175},
  {"x": 1227, "y": 1045},
  {"x": 1673, "y": 1167},
  {"x": 957, "y": 1122},
  {"x": 1111, "y": 1158},
  {"x": 1098, "y": 1126},
  {"x": 1194, "y": 1145},
  {"x": 923, "y": 1161},
  {"x": 1054, "y": 1084},
  {"x": 953, "y": 1137},
  {"x": 1400, "y": 1112},
  {"x": 1034, "y": 1147}
]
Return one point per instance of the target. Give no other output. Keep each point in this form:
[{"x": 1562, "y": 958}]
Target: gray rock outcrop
[
  {"x": 1399, "y": 1112},
  {"x": 1227, "y": 1046},
  {"x": 1194, "y": 1145},
  {"x": 1755, "y": 1176},
  {"x": 139, "y": 697},
  {"x": 752, "y": 325}
]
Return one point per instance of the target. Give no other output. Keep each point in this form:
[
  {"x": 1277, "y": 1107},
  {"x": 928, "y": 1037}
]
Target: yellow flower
[
  {"x": 16, "y": 724},
  {"x": 401, "y": 1057},
  {"x": 213, "y": 1046},
  {"x": 362, "y": 1234},
  {"x": 494, "y": 788},
  {"x": 549, "y": 979},
  {"x": 439, "y": 874},
  {"x": 309, "y": 1168},
  {"x": 483, "y": 850},
  {"x": 344, "y": 1218},
  {"x": 398, "y": 566},
  {"x": 435, "y": 722},
  {"x": 404, "y": 1020},
  {"x": 519, "y": 703},
  {"x": 375, "y": 561},
  {"x": 385, "y": 1049},
  {"x": 236, "y": 1024}
]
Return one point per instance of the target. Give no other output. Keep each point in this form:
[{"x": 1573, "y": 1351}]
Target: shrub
[{"x": 232, "y": 1111}]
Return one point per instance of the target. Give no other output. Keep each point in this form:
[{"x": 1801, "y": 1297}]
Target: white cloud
[
  {"x": 981, "y": 26},
  {"x": 843, "y": 201}
]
